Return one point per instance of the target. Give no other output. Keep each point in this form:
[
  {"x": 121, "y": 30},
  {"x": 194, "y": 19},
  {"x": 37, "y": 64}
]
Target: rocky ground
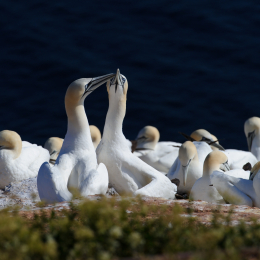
[{"x": 24, "y": 195}]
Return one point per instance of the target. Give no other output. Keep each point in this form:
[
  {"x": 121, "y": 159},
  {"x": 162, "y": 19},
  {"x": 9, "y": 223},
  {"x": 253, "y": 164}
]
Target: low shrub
[{"x": 111, "y": 229}]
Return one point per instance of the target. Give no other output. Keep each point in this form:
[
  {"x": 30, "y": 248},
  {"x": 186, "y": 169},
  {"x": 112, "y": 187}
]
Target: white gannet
[
  {"x": 236, "y": 158},
  {"x": 127, "y": 173},
  {"x": 239, "y": 191},
  {"x": 159, "y": 155},
  {"x": 76, "y": 165},
  {"x": 95, "y": 135},
  {"x": 251, "y": 128},
  {"x": 202, "y": 135},
  {"x": 202, "y": 188},
  {"x": 18, "y": 162},
  {"x": 53, "y": 145},
  {"x": 188, "y": 167}
]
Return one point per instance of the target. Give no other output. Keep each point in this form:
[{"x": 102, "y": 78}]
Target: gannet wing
[
  {"x": 232, "y": 189},
  {"x": 95, "y": 182},
  {"x": 174, "y": 170},
  {"x": 33, "y": 156},
  {"x": 164, "y": 148},
  {"x": 169, "y": 158},
  {"x": 239, "y": 173},
  {"x": 237, "y": 159},
  {"x": 157, "y": 185},
  {"x": 52, "y": 187}
]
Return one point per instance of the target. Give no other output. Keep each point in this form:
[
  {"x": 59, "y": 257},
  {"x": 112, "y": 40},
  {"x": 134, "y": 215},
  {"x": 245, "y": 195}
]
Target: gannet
[
  {"x": 76, "y": 166},
  {"x": 127, "y": 173},
  {"x": 159, "y": 155},
  {"x": 202, "y": 188},
  {"x": 236, "y": 158},
  {"x": 251, "y": 128},
  {"x": 205, "y": 136},
  {"x": 53, "y": 145},
  {"x": 236, "y": 190},
  {"x": 95, "y": 135},
  {"x": 188, "y": 167},
  {"x": 18, "y": 162}
]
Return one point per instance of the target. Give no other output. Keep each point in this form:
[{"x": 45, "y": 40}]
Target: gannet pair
[
  {"x": 202, "y": 188},
  {"x": 19, "y": 160},
  {"x": 188, "y": 166},
  {"x": 127, "y": 173},
  {"x": 54, "y": 144},
  {"x": 159, "y": 155},
  {"x": 237, "y": 190},
  {"x": 76, "y": 166}
]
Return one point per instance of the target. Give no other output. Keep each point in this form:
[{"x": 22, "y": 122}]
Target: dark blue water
[{"x": 190, "y": 64}]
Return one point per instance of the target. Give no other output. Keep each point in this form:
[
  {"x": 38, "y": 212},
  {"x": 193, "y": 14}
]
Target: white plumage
[
  {"x": 127, "y": 173},
  {"x": 76, "y": 166},
  {"x": 19, "y": 160}
]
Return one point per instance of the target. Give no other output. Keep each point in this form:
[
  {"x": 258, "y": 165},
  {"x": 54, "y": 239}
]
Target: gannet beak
[
  {"x": 226, "y": 166},
  {"x": 217, "y": 146},
  {"x": 252, "y": 175},
  {"x": 118, "y": 80},
  {"x": 250, "y": 138},
  {"x": 96, "y": 82},
  {"x": 185, "y": 170}
]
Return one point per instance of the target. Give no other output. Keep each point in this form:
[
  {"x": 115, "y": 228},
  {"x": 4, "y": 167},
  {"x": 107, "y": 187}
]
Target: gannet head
[
  {"x": 95, "y": 135},
  {"x": 187, "y": 153},
  {"x": 254, "y": 171},
  {"x": 117, "y": 85},
  {"x": 216, "y": 160},
  {"x": 251, "y": 128},
  {"x": 10, "y": 140},
  {"x": 79, "y": 89},
  {"x": 202, "y": 135},
  {"x": 147, "y": 138},
  {"x": 53, "y": 145}
]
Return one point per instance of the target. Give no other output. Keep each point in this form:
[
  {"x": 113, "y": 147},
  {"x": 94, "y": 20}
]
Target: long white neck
[
  {"x": 115, "y": 116},
  {"x": 78, "y": 132},
  {"x": 255, "y": 150}
]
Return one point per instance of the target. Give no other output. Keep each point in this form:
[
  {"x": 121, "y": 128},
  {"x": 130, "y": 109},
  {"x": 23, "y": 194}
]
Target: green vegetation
[{"x": 110, "y": 229}]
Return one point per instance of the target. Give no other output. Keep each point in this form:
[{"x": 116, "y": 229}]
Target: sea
[{"x": 189, "y": 64}]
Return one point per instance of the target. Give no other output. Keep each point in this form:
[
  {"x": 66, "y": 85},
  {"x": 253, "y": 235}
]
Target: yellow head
[
  {"x": 201, "y": 135},
  {"x": 251, "y": 128},
  {"x": 117, "y": 85},
  {"x": 53, "y": 145},
  {"x": 95, "y": 135},
  {"x": 215, "y": 161},
  {"x": 254, "y": 170},
  {"x": 187, "y": 153},
  {"x": 147, "y": 138},
  {"x": 10, "y": 140}
]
